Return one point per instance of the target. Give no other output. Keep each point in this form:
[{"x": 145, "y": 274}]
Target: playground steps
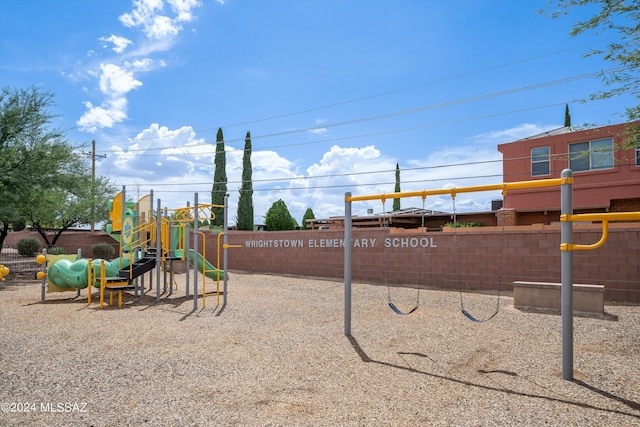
[
  {"x": 138, "y": 268},
  {"x": 112, "y": 284}
]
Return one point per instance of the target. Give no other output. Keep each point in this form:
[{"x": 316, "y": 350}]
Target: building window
[
  {"x": 638, "y": 150},
  {"x": 591, "y": 155},
  {"x": 540, "y": 161}
]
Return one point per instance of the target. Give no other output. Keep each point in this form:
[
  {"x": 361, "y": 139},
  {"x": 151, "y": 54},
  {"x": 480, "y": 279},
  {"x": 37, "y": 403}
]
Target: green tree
[
  {"x": 245, "y": 202},
  {"x": 567, "y": 116},
  {"x": 69, "y": 201},
  {"x": 219, "y": 189},
  {"x": 396, "y": 202},
  {"x": 308, "y": 214},
  {"x": 42, "y": 173},
  {"x": 279, "y": 218},
  {"x": 620, "y": 18}
]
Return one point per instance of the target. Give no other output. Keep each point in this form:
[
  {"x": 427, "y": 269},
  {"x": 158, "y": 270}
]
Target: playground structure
[
  {"x": 148, "y": 239},
  {"x": 566, "y": 247}
]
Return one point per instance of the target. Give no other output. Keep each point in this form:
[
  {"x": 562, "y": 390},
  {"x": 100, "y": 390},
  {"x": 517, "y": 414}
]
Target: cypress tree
[
  {"x": 567, "y": 116},
  {"x": 219, "y": 189},
  {"x": 245, "y": 202},
  {"x": 396, "y": 202}
]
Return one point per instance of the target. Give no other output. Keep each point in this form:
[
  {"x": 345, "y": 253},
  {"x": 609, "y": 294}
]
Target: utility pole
[{"x": 93, "y": 180}]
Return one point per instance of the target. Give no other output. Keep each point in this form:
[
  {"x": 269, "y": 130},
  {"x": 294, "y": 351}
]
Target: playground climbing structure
[{"x": 149, "y": 240}]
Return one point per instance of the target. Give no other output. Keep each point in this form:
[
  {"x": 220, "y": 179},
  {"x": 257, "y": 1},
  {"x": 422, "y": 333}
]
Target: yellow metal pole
[
  {"x": 218, "y": 267},
  {"x": 89, "y": 280},
  {"x": 456, "y": 190},
  {"x": 604, "y": 217},
  {"x": 204, "y": 278},
  {"x": 103, "y": 278}
]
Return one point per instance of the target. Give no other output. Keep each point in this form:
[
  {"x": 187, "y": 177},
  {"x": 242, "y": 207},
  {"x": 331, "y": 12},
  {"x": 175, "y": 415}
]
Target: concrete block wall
[
  {"x": 468, "y": 259},
  {"x": 71, "y": 240}
]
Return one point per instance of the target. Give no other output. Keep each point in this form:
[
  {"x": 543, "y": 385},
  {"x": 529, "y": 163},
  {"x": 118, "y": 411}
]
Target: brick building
[{"x": 606, "y": 175}]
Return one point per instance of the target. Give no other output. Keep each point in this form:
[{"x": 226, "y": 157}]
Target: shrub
[
  {"x": 307, "y": 215},
  {"x": 57, "y": 250},
  {"x": 19, "y": 225},
  {"x": 103, "y": 250},
  {"x": 28, "y": 246},
  {"x": 465, "y": 224}
]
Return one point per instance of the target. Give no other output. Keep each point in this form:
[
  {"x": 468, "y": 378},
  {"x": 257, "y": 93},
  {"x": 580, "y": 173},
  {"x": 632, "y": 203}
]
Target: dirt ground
[{"x": 276, "y": 355}]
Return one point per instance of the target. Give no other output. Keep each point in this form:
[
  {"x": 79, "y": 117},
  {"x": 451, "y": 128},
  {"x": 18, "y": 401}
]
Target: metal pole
[
  {"x": 168, "y": 243},
  {"x": 566, "y": 259},
  {"x": 150, "y": 219},
  {"x": 225, "y": 238},
  {"x": 43, "y": 284},
  {"x": 186, "y": 254},
  {"x": 124, "y": 206},
  {"x": 195, "y": 251},
  {"x": 158, "y": 248},
  {"x": 93, "y": 181},
  {"x": 347, "y": 265},
  {"x": 135, "y": 253},
  {"x": 93, "y": 186},
  {"x": 141, "y": 254}
]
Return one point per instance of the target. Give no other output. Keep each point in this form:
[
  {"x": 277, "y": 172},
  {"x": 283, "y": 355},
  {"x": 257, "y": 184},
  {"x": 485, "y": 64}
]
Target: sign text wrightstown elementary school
[{"x": 389, "y": 242}]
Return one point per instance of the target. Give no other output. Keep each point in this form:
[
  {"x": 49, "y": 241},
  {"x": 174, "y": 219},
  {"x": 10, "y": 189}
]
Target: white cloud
[
  {"x": 145, "y": 64},
  {"x": 183, "y": 8},
  {"x": 147, "y": 16},
  {"x": 175, "y": 163},
  {"x": 119, "y": 43},
  {"x": 119, "y": 76},
  {"x": 104, "y": 116},
  {"x": 339, "y": 159},
  {"x": 115, "y": 81},
  {"x": 318, "y": 131},
  {"x": 515, "y": 133}
]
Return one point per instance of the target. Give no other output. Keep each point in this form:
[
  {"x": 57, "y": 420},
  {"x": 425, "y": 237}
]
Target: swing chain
[
  {"x": 390, "y": 302},
  {"x": 455, "y": 248}
]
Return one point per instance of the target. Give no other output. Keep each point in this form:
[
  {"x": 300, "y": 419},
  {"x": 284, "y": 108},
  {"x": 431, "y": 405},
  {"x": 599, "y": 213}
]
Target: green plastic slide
[{"x": 210, "y": 271}]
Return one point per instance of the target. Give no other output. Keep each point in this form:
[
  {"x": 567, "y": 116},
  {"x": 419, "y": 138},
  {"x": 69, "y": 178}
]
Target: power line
[
  {"x": 391, "y": 92},
  {"x": 368, "y": 135},
  {"x": 421, "y": 168},
  {"x": 414, "y": 110},
  {"x": 402, "y": 112},
  {"x": 409, "y": 111}
]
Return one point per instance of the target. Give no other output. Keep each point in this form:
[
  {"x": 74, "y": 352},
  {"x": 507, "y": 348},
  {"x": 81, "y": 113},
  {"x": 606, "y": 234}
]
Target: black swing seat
[
  {"x": 473, "y": 319},
  {"x": 400, "y": 312}
]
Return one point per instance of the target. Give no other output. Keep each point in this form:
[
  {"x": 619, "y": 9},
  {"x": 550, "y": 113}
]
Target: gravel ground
[{"x": 277, "y": 355}]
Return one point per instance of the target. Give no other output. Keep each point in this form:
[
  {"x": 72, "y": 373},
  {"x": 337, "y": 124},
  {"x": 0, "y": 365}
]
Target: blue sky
[{"x": 334, "y": 92}]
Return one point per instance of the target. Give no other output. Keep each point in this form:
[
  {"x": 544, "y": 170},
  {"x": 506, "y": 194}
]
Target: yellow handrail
[
  {"x": 602, "y": 216},
  {"x": 455, "y": 190},
  {"x": 605, "y": 217}
]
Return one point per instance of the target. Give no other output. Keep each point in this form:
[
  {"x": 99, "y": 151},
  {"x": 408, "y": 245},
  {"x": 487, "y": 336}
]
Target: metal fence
[
  {"x": 9, "y": 257},
  {"x": 26, "y": 265}
]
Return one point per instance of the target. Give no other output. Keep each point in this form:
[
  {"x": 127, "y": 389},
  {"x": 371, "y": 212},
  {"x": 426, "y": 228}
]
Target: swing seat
[
  {"x": 473, "y": 319},
  {"x": 398, "y": 311}
]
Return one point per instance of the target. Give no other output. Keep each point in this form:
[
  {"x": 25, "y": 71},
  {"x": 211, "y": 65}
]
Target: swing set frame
[{"x": 566, "y": 246}]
